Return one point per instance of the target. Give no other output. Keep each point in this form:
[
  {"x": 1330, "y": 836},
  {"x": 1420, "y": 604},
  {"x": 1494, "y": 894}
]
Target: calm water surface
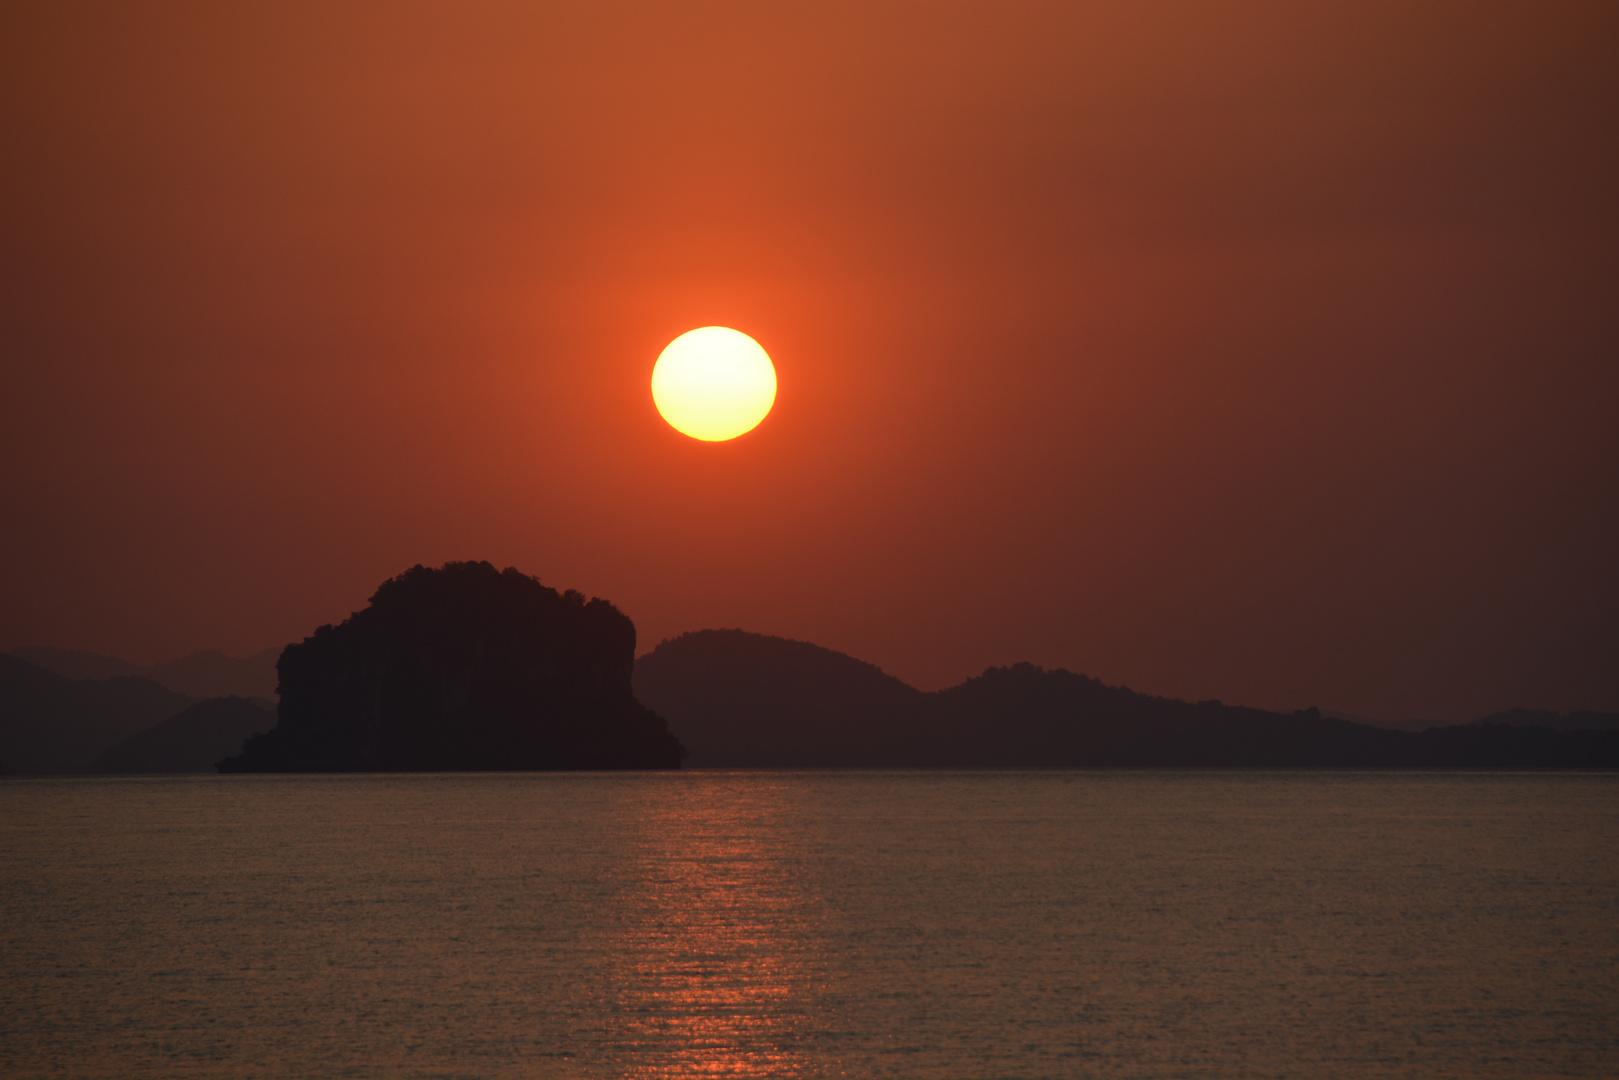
[{"x": 710, "y": 924}]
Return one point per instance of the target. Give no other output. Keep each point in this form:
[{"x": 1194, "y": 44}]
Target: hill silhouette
[
  {"x": 192, "y": 740},
  {"x": 54, "y": 725},
  {"x": 489, "y": 672},
  {"x": 741, "y": 699},
  {"x": 1023, "y": 715},
  {"x": 464, "y": 667},
  {"x": 1408, "y": 724},
  {"x": 205, "y": 674}
]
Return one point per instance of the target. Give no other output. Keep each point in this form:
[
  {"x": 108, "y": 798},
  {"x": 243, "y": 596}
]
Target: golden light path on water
[{"x": 715, "y": 968}]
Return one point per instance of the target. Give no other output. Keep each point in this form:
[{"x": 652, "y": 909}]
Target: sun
[{"x": 713, "y": 383}]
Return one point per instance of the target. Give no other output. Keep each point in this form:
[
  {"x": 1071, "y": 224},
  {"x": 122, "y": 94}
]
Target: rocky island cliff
[{"x": 464, "y": 667}]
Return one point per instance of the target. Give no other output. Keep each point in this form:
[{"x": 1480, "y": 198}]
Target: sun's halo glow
[{"x": 714, "y": 383}]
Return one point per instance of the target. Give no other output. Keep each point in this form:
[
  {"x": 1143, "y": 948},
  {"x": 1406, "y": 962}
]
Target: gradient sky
[{"x": 1267, "y": 352}]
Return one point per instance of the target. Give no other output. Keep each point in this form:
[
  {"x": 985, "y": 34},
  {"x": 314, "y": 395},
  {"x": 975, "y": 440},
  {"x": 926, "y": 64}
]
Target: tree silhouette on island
[{"x": 463, "y": 668}]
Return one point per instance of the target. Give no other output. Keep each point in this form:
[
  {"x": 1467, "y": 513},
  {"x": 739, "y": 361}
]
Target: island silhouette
[
  {"x": 463, "y": 667},
  {"x": 466, "y": 667},
  {"x": 742, "y": 700}
]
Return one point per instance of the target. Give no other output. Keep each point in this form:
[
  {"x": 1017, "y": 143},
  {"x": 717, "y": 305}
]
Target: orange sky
[{"x": 1267, "y": 352}]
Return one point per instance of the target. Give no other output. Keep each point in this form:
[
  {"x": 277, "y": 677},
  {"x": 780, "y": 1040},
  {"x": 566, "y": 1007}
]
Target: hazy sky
[{"x": 1267, "y": 352}]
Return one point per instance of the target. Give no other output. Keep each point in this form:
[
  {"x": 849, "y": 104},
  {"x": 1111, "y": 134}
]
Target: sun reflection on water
[{"x": 715, "y": 967}]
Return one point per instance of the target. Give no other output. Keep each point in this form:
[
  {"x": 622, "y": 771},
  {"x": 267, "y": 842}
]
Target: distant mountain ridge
[
  {"x": 192, "y": 740},
  {"x": 205, "y": 674},
  {"x": 50, "y": 724},
  {"x": 745, "y": 700}
]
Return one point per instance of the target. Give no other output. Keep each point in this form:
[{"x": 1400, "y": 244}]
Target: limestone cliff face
[{"x": 464, "y": 667}]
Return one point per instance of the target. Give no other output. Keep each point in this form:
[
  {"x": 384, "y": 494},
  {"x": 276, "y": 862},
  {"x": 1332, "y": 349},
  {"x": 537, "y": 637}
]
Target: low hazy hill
[
  {"x": 201, "y": 675},
  {"x": 738, "y": 699},
  {"x": 1417, "y": 724},
  {"x": 1584, "y": 720},
  {"x": 74, "y": 664},
  {"x": 211, "y": 673},
  {"x": 1484, "y": 745},
  {"x": 50, "y": 724},
  {"x": 191, "y": 741},
  {"x": 1025, "y": 715}
]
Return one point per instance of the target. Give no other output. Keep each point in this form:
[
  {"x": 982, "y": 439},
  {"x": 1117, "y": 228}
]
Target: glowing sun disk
[{"x": 714, "y": 383}]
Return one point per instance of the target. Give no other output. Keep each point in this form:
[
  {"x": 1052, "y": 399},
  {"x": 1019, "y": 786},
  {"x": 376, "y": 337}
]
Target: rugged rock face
[{"x": 463, "y": 668}]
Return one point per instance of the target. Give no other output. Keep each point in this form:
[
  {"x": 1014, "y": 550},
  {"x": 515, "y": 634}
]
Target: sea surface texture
[{"x": 712, "y": 924}]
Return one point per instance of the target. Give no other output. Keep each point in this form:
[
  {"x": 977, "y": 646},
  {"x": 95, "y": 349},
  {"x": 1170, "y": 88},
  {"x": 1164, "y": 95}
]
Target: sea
[{"x": 811, "y": 924}]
